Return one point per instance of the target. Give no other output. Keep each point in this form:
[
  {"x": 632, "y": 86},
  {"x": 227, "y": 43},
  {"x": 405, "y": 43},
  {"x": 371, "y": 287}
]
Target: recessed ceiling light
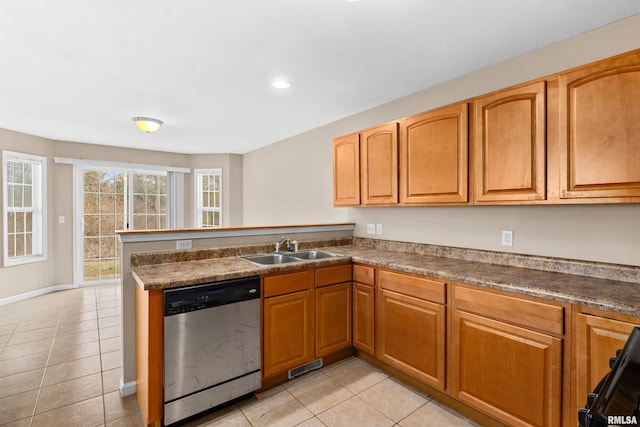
[{"x": 281, "y": 84}]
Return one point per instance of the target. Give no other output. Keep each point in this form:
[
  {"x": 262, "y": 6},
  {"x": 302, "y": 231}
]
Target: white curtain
[{"x": 175, "y": 199}]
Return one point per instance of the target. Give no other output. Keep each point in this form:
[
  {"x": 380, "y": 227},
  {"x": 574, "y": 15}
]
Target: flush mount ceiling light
[
  {"x": 147, "y": 124},
  {"x": 281, "y": 84}
]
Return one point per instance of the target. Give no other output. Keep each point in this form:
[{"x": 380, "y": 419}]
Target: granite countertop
[{"x": 605, "y": 294}]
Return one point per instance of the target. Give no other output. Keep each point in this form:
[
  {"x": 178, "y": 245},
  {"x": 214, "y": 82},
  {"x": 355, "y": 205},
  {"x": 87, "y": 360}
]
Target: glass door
[{"x": 111, "y": 201}]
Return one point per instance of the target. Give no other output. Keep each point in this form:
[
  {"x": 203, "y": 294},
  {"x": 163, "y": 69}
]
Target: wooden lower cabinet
[
  {"x": 149, "y": 350},
  {"x": 333, "y": 318},
  {"x": 522, "y": 361},
  {"x": 363, "y": 317},
  {"x": 364, "y": 292},
  {"x": 288, "y": 333},
  {"x": 597, "y": 339},
  {"x": 507, "y": 357},
  {"x": 410, "y": 331},
  {"x": 288, "y": 322},
  {"x": 306, "y": 315},
  {"x": 509, "y": 372}
]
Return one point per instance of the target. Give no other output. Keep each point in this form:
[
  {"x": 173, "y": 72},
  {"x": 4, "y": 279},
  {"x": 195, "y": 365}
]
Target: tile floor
[{"x": 60, "y": 366}]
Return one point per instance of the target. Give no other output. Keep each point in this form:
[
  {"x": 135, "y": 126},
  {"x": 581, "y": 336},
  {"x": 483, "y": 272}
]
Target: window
[
  {"x": 208, "y": 197},
  {"x": 24, "y": 208}
]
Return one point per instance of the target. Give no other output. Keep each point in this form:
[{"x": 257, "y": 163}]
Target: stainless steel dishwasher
[{"x": 211, "y": 345}]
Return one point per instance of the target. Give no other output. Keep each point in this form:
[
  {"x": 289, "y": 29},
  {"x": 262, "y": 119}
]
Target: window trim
[
  {"x": 197, "y": 174},
  {"x": 39, "y": 194}
]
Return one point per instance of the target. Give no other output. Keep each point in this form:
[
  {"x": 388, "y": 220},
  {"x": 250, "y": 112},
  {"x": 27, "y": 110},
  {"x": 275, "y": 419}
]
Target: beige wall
[
  {"x": 57, "y": 271},
  {"x": 23, "y": 279},
  {"x": 303, "y": 164},
  {"x": 231, "y": 165},
  {"x": 291, "y": 182}
]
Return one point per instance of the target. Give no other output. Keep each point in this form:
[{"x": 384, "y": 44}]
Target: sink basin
[
  {"x": 313, "y": 255},
  {"x": 270, "y": 259}
]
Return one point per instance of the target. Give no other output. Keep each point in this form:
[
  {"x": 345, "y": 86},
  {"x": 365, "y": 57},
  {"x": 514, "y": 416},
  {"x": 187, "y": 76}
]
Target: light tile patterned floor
[
  {"x": 60, "y": 366},
  {"x": 60, "y": 361}
]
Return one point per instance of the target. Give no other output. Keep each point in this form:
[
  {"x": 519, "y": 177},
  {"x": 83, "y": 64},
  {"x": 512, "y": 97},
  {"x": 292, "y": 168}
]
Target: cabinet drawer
[
  {"x": 332, "y": 275},
  {"x": 419, "y": 287},
  {"x": 364, "y": 274},
  {"x": 287, "y": 283},
  {"x": 530, "y": 314}
]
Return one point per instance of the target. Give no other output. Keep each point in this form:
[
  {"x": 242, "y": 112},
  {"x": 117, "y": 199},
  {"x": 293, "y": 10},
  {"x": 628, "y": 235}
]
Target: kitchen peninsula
[{"x": 551, "y": 310}]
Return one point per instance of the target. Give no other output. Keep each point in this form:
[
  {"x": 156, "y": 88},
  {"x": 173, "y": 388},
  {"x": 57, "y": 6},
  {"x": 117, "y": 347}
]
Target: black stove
[{"x": 616, "y": 399}]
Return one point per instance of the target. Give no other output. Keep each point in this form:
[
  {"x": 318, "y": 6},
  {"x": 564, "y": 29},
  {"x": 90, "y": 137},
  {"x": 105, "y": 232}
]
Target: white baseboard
[
  {"x": 56, "y": 288},
  {"x": 127, "y": 389},
  {"x": 35, "y": 293}
]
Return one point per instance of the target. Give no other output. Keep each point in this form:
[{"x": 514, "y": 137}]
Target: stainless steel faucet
[
  {"x": 282, "y": 241},
  {"x": 292, "y": 245}
]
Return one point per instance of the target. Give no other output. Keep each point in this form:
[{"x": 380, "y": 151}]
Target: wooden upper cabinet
[
  {"x": 600, "y": 129},
  {"x": 510, "y": 145},
  {"x": 434, "y": 156},
  {"x": 346, "y": 170},
  {"x": 379, "y": 165}
]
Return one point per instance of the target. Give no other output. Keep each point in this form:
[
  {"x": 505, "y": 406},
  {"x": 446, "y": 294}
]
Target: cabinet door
[
  {"x": 411, "y": 336},
  {"x": 363, "y": 317},
  {"x": 333, "y": 318},
  {"x": 379, "y": 165},
  {"x": 597, "y": 340},
  {"x": 346, "y": 170},
  {"x": 510, "y": 145},
  {"x": 288, "y": 332},
  {"x": 600, "y": 129},
  {"x": 434, "y": 156},
  {"x": 511, "y": 373}
]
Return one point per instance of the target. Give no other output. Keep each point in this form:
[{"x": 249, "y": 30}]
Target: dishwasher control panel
[{"x": 208, "y": 295}]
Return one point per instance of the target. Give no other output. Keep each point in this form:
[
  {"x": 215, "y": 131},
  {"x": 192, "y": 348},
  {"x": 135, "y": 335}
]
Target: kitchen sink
[
  {"x": 270, "y": 259},
  {"x": 313, "y": 255},
  {"x": 286, "y": 257}
]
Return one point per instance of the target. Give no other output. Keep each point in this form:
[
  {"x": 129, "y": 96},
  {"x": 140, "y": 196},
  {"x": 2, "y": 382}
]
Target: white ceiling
[{"x": 78, "y": 70}]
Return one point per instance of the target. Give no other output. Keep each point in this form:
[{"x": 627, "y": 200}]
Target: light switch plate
[
  {"x": 507, "y": 238},
  {"x": 379, "y": 229},
  {"x": 183, "y": 244}
]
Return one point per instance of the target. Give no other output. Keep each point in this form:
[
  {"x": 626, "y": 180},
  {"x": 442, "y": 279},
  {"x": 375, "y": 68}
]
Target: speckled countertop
[{"x": 603, "y": 293}]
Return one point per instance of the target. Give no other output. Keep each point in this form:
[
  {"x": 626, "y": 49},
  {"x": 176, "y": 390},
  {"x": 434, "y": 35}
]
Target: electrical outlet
[
  {"x": 379, "y": 229},
  {"x": 507, "y": 238},
  {"x": 371, "y": 229},
  {"x": 183, "y": 244}
]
